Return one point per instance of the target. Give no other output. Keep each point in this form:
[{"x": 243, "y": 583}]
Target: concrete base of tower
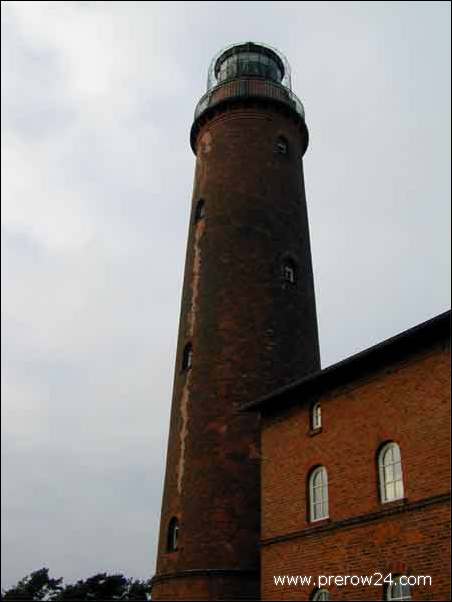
[{"x": 224, "y": 584}]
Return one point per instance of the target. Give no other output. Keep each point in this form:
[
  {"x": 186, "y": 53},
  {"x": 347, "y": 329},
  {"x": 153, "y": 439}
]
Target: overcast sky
[{"x": 97, "y": 174}]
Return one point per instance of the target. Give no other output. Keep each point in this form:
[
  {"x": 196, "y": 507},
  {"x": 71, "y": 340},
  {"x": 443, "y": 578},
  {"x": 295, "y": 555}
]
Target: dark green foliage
[
  {"x": 36, "y": 586},
  {"x": 97, "y": 587},
  {"x": 39, "y": 586},
  {"x": 139, "y": 590}
]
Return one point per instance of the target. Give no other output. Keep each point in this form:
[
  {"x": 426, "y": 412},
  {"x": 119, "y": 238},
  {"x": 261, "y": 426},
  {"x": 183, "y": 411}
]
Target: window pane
[
  {"x": 173, "y": 534},
  {"x": 397, "y": 591},
  {"x": 398, "y": 489},
  {"x": 389, "y": 491},
  {"x": 316, "y": 416},
  {"x": 389, "y": 473},
  {"x": 406, "y": 591},
  {"x": 322, "y": 594},
  {"x": 388, "y": 458},
  {"x": 395, "y": 453}
]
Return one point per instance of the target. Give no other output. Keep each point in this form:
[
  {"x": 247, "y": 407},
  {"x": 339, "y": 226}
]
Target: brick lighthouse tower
[{"x": 247, "y": 325}]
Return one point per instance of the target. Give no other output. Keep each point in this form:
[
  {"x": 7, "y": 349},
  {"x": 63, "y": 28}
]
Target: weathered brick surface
[
  {"x": 413, "y": 543},
  {"x": 250, "y": 332},
  {"x": 207, "y": 588},
  {"x": 407, "y": 403}
]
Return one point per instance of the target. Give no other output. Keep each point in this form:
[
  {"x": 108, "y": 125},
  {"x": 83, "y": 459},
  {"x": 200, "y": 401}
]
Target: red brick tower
[{"x": 247, "y": 326}]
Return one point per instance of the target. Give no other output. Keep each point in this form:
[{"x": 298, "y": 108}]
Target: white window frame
[
  {"x": 316, "y": 416},
  {"x": 390, "y": 473},
  {"x": 319, "y": 499}
]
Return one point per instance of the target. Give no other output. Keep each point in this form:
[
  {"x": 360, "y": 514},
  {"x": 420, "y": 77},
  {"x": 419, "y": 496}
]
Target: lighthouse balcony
[{"x": 249, "y": 88}]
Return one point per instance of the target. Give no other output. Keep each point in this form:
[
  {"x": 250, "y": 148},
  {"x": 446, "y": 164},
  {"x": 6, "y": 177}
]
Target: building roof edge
[{"x": 401, "y": 345}]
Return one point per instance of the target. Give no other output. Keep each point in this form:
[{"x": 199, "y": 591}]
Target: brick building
[
  {"x": 233, "y": 514},
  {"x": 356, "y": 473}
]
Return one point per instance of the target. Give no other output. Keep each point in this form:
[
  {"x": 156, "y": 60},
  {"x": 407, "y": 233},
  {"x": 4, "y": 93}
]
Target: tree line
[{"x": 40, "y": 586}]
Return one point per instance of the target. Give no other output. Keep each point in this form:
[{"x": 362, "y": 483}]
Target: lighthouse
[{"x": 247, "y": 325}]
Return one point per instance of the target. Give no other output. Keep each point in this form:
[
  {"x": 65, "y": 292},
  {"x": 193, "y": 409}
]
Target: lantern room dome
[{"x": 249, "y": 60}]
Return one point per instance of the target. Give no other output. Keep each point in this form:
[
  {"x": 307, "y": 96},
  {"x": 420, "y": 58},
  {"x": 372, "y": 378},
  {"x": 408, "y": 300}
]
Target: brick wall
[
  {"x": 407, "y": 403},
  {"x": 207, "y": 586}
]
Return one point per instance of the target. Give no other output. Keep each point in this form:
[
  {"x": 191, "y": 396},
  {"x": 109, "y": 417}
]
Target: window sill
[
  {"x": 391, "y": 503},
  {"x": 319, "y": 523},
  {"x": 171, "y": 552},
  {"x": 314, "y": 432}
]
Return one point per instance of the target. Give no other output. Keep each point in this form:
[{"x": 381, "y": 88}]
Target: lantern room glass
[
  {"x": 249, "y": 60},
  {"x": 248, "y": 64}
]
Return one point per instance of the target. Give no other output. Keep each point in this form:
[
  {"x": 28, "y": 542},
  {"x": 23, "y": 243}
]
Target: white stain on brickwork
[
  {"x": 191, "y": 318},
  {"x": 183, "y": 436},
  {"x": 191, "y": 322}
]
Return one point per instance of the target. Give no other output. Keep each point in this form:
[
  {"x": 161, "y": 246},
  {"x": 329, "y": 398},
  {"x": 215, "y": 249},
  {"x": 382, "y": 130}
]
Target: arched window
[
  {"x": 390, "y": 469},
  {"x": 187, "y": 357},
  {"x": 316, "y": 416},
  {"x": 173, "y": 535},
  {"x": 200, "y": 210},
  {"x": 289, "y": 271},
  {"x": 321, "y": 594},
  {"x": 398, "y": 590},
  {"x": 281, "y": 146},
  {"x": 318, "y": 494}
]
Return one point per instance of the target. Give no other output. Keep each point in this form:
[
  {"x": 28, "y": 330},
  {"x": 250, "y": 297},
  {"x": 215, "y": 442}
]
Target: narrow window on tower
[
  {"x": 399, "y": 589},
  {"x": 173, "y": 535},
  {"x": 281, "y": 146},
  {"x": 200, "y": 210},
  {"x": 390, "y": 471},
  {"x": 316, "y": 416},
  {"x": 289, "y": 272},
  {"x": 187, "y": 357},
  {"x": 318, "y": 494}
]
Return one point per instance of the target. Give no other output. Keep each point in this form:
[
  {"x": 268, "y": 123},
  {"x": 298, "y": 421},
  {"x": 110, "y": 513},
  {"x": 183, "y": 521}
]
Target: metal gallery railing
[{"x": 249, "y": 88}]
